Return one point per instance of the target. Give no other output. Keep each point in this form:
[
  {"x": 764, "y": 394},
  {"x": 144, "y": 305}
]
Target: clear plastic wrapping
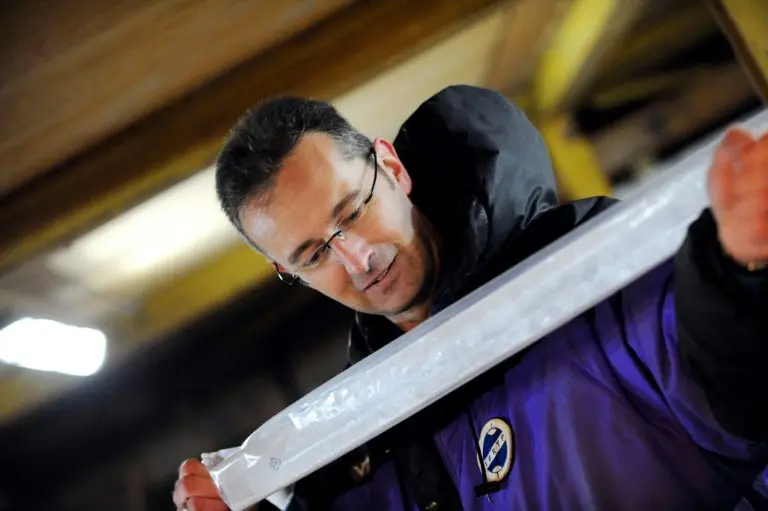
[{"x": 472, "y": 335}]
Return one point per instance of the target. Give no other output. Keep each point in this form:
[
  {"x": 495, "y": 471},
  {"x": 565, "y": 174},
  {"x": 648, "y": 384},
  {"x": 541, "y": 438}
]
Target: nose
[{"x": 353, "y": 252}]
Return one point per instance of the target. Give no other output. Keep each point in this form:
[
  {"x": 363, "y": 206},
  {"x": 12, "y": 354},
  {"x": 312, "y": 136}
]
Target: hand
[
  {"x": 196, "y": 490},
  {"x": 738, "y": 191}
]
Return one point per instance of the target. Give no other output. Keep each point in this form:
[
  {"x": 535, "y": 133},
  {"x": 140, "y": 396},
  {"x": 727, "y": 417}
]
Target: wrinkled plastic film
[{"x": 474, "y": 334}]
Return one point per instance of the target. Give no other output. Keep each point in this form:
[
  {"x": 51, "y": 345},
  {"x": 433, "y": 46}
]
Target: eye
[
  {"x": 354, "y": 215},
  {"x": 316, "y": 257}
]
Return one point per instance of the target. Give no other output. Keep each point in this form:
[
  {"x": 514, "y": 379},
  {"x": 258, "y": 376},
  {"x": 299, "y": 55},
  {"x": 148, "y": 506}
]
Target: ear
[
  {"x": 281, "y": 269},
  {"x": 388, "y": 159},
  {"x": 278, "y": 267}
]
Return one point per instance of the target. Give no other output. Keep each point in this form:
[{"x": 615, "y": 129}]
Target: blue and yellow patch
[{"x": 497, "y": 445}]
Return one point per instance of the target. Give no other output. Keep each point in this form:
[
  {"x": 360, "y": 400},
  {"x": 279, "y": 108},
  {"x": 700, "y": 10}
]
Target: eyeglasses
[{"x": 344, "y": 224}]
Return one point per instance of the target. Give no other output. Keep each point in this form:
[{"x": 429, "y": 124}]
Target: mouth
[{"x": 381, "y": 277}]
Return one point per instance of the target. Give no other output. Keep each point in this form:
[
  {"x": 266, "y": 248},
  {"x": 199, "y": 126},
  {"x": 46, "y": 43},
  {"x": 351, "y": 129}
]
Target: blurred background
[{"x": 153, "y": 333}]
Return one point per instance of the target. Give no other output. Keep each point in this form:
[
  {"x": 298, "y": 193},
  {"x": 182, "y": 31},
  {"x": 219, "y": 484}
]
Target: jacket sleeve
[
  {"x": 722, "y": 326},
  {"x": 696, "y": 357}
]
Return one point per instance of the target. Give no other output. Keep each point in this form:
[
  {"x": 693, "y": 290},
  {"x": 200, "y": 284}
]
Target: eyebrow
[
  {"x": 343, "y": 203},
  {"x": 294, "y": 257},
  {"x": 337, "y": 209}
]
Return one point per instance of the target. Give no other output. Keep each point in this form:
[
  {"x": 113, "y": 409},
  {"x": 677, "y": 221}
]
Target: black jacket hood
[{"x": 482, "y": 175}]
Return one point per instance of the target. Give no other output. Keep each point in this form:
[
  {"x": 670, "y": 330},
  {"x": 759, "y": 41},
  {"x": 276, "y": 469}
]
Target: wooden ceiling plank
[
  {"x": 745, "y": 23},
  {"x": 76, "y": 72},
  {"x": 170, "y": 145}
]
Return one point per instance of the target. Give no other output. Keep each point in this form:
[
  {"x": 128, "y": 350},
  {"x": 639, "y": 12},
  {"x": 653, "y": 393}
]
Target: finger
[
  {"x": 193, "y": 467},
  {"x": 753, "y": 205},
  {"x": 735, "y": 142},
  {"x": 751, "y": 186},
  {"x": 745, "y": 237},
  {"x": 753, "y": 176},
  {"x": 194, "y": 486},
  {"x": 726, "y": 159},
  {"x": 749, "y": 207},
  {"x": 203, "y": 504},
  {"x": 757, "y": 156},
  {"x": 752, "y": 214},
  {"x": 178, "y": 495}
]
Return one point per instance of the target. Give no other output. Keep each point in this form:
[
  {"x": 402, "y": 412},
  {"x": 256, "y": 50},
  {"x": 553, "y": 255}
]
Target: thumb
[{"x": 726, "y": 159}]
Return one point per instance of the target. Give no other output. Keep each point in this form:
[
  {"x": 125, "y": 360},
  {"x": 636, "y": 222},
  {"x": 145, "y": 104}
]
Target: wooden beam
[
  {"x": 200, "y": 291},
  {"x": 574, "y": 159},
  {"x": 647, "y": 45},
  {"x": 588, "y": 31},
  {"x": 526, "y": 29},
  {"x": 181, "y": 139},
  {"x": 745, "y": 22},
  {"x": 636, "y": 89},
  {"x": 712, "y": 97},
  {"x": 75, "y": 72}
]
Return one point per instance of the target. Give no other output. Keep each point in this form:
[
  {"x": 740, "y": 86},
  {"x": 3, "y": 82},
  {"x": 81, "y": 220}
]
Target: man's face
[{"x": 382, "y": 263}]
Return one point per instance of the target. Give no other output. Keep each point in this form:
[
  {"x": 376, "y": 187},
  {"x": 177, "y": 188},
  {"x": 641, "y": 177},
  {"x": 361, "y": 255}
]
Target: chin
[{"x": 403, "y": 305}]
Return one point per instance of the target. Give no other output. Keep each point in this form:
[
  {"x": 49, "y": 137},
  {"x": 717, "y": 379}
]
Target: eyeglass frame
[{"x": 290, "y": 278}]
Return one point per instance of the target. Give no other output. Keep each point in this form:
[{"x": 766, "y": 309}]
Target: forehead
[
  {"x": 315, "y": 163},
  {"x": 313, "y": 178}
]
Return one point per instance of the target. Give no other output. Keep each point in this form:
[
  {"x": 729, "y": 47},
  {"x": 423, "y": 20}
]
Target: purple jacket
[
  {"x": 654, "y": 399},
  {"x": 603, "y": 415}
]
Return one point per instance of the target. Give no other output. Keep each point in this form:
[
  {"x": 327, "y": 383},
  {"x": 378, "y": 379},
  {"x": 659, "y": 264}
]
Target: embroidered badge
[{"x": 497, "y": 445}]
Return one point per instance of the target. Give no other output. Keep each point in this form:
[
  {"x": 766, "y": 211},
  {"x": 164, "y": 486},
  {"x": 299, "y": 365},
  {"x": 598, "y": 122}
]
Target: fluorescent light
[{"x": 52, "y": 346}]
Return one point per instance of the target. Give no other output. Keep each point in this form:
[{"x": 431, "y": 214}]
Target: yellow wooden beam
[
  {"x": 745, "y": 22},
  {"x": 586, "y": 33},
  {"x": 23, "y": 387},
  {"x": 202, "y": 290},
  {"x": 576, "y": 164}
]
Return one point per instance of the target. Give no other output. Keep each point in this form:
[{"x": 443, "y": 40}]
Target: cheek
[
  {"x": 394, "y": 222},
  {"x": 332, "y": 281},
  {"x": 337, "y": 285}
]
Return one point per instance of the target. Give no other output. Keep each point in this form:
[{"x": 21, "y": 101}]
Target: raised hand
[{"x": 738, "y": 191}]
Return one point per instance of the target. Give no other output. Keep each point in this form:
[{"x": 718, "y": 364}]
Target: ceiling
[{"x": 112, "y": 115}]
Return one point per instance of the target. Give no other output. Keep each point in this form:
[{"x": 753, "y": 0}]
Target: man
[{"x": 654, "y": 399}]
